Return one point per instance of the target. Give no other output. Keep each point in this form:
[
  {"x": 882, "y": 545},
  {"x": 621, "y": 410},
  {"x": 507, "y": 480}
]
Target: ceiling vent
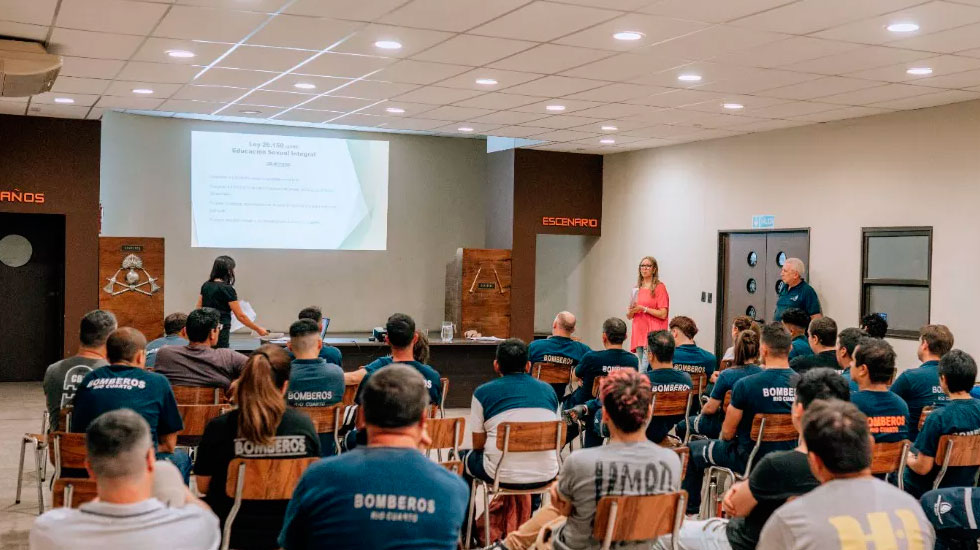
[{"x": 26, "y": 68}]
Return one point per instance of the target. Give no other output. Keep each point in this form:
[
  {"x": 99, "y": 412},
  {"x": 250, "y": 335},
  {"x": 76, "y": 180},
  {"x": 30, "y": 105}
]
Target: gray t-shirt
[
  {"x": 849, "y": 513},
  {"x": 61, "y": 380},
  {"x": 642, "y": 468},
  {"x": 199, "y": 366},
  {"x": 147, "y": 525}
]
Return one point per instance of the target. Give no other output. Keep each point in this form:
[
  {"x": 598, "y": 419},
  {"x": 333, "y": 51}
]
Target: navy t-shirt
[
  {"x": 846, "y": 375},
  {"x": 693, "y": 360},
  {"x": 599, "y": 363},
  {"x": 960, "y": 417},
  {"x": 801, "y": 348},
  {"x": 888, "y": 415},
  {"x": 920, "y": 388},
  {"x": 663, "y": 380},
  {"x": 314, "y": 383},
  {"x": 771, "y": 391},
  {"x": 728, "y": 377},
  {"x": 124, "y": 387},
  {"x": 329, "y": 354},
  {"x": 824, "y": 359},
  {"x": 382, "y": 498},
  {"x": 557, "y": 349},
  {"x": 430, "y": 374},
  {"x": 801, "y": 296}
]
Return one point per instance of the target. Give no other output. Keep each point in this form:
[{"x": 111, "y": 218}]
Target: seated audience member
[
  {"x": 126, "y": 514},
  {"x": 664, "y": 377},
  {"x": 796, "y": 322},
  {"x": 596, "y": 364},
  {"x": 420, "y": 351},
  {"x": 61, "y": 379},
  {"x": 739, "y": 324},
  {"x": 559, "y": 347},
  {"x": 770, "y": 391},
  {"x": 708, "y": 423},
  {"x": 875, "y": 325},
  {"x": 385, "y": 494},
  {"x": 126, "y": 384},
  {"x": 960, "y": 416},
  {"x": 174, "y": 335},
  {"x": 951, "y": 512},
  {"x": 874, "y": 367},
  {"x": 919, "y": 387},
  {"x": 823, "y": 344},
  {"x": 847, "y": 340},
  {"x": 313, "y": 382},
  {"x": 688, "y": 357},
  {"x": 777, "y": 478},
  {"x": 850, "y": 507},
  {"x": 629, "y": 464},
  {"x": 513, "y": 397},
  {"x": 261, "y": 427},
  {"x": 199, "y": 363},
  {"x": 328, "y": 353}
]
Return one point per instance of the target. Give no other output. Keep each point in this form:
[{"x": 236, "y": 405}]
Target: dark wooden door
[
  {"x": 745, "y": 280},
  {"x": 781, "y": 245}
]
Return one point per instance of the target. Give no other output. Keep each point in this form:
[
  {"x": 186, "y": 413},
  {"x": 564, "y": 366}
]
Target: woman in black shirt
[{"x": 219, "y": 292}]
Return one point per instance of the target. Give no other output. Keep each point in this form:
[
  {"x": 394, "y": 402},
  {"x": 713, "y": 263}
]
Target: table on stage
[{"x": 466, "y": 363}]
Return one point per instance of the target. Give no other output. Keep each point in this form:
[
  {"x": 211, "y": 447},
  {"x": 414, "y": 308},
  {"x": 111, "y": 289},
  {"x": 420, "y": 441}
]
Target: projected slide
[{"x": 266, "y": 191}]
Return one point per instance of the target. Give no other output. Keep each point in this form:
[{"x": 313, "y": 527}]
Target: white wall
[
  {"x": 900, "y": 169},
  {"x": 559, "y": 277},
  {"x": 435, "y": 205}
]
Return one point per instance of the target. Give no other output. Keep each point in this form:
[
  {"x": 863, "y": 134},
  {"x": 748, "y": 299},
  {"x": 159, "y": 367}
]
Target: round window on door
[
  {"x": 751, "y": 286},
  {"x": 15, "y": 250},
  {"x": 750, "y": 311},
  {"x": 781, "y": 259},
  {"x": 753, "y": 259}
]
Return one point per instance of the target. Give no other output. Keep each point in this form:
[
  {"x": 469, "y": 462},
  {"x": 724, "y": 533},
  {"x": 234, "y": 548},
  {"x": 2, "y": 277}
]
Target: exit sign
[{"x": 763, "y": 221}]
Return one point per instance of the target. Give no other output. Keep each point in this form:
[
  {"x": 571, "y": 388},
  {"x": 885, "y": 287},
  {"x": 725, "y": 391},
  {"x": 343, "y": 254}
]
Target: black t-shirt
[
  {"x": 776, "y": 478},
  {"x": 258, "y": 523},
  {"x": 218, "y": 294},
  {"x": 803, "y": 363}
]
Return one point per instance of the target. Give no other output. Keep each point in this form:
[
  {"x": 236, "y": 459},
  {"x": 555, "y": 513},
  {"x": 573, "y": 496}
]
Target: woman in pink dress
[{"x": 649, "y": 307}]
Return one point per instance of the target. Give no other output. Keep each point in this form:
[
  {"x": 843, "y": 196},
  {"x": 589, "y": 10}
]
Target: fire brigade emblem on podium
[{"x": 135, "y": 282}]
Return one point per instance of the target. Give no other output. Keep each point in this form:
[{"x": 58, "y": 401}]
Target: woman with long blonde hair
[{"x": 649, "y": 307}]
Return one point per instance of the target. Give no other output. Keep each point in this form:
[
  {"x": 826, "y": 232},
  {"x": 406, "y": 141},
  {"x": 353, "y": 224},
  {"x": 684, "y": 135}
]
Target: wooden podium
[
  {"x": 131, "y": 282},
  {"x": 478, "y": 291}
]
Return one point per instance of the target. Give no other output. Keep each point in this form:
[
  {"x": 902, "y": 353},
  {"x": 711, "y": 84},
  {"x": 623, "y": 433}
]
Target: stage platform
[{"x": 466, "y": 363}]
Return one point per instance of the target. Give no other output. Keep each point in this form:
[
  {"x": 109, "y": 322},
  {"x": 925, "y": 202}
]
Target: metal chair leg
[
  {"x": 40, "y": 492},
  {"x": 486, "y": 515},
  {"x": 20, "y": 470},
  {"x": 470, "y": 516}
]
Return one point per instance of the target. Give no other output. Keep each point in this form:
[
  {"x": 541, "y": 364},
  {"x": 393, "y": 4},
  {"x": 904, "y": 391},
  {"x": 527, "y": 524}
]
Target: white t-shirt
[{"x": 147, "y": 525}]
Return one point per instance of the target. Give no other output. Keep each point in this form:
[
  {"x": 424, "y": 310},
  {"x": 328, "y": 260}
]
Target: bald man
[
  {"x": 796, "y": 292},
  {"x": 558, "y": 348}
]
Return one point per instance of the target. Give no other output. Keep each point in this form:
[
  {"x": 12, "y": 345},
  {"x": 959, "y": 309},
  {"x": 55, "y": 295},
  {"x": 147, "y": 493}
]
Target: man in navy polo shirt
[
  {"x": 796, "y": 322},
  {"x": 385, "y": 494},
  {"x": 771, "y": 391},
  {"x": 847, "y": 341},
  {"x": 559, "y": 347},
  {"x": 796, "y": 292},
  {"x": 330, "y": 354},
  {"x": 874, "y": 366},
  {"x": 401, "y": 338},
  {"x": 823, "y": 344},
  {"x": 313, "y": 382},
  {"x": 699, "y": 363},
  {"x": 126, "y": 384},
  {"x": 960, "y": 416},
  {"x": 665, "y": 377},
  {"x": 920, "y": 387}
]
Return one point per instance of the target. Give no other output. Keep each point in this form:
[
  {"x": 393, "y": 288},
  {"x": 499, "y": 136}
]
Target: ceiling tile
[
  {"x": 357, "y": 119},
  {"x": 509, "y": 117},
  {"x": 769, "y": 125},
  {"x": 498, "y": 100},
  {"x": 125, "y": 88},
  {"x": 158, "y": 72},
  {"x": 209, "y": 93},
  {"x": 344, "y": 9},
  {"x": 23, "y": 31},
  {"x": 749, "y": 104},
  {"x": 338, "y": 103},
  {"x": 867, "y": 57},
  {"x": 625, "y": 66},
  {"x": 839, "y": 114},
  {"x": 505, "y": 79},
  {"x": 418, "y": 72},
  {"x": 306, "y": 115},
  {"x": 620, "y": 125},
  {"x": 119, "y": 102},
  {"x": 75, "y": 85},
  {"x": 820, "y": 87},
  {"x": 93, "y": 44},
  {"x": 617, "y": 92},
  {"x": 95, "y": 113},
  {"x": 155, "y": 50},
  {"x": 878, "y": 94},
  {"x": 931, "y": 17},
  {"x": 966, "y": 37},
  {"x": 235, "y": 77},
  {"x": 565, "y": 135},
  {"x": 473, "y": 50},
  {"x": 456, "y": 113},
  {"x": 57, "y": 111},
  {"x": 561, "y": 122},
  {"x": 929, "y": 100},
  {"x": 371, "y": 89},
  {"x": 418, "y": 124},
  {"x": 544, "y": 21},
  {"x": 658, "y": 131},
  {"x": 413, "y": 40},
  {"x": 555, "y": 86},
  {"x": 943, "y": 66},
  {"x": 711, "y": 10},
  {"x": 323, "y": 84},
  {"x": 81, "y": 100},
  {"x": 549, "y": 58},
  {"x": 436, "y": 95},
  {"x": 677, "y": 98},
  {"x": 267, "y": 6},
  {"x": 449, "y": 15},
  {"x": 807, "y": 16},
  {"x": 275, "y": 99},
  {"x": 519, "y": 131},
  {"x": 612, "y": 110},
  {"x": 194, "y": 23},
  {"x": 345, "y": 66},
  {"x": 785, "y": 52},
  {"x": 654, "y": 28},
  {"x": 571, "y": 105},
  {"x": 189, "y": 106},
  {"x": 261, "y": 58},
  {"x": 293, "y": 31},
  {"x": 239, "y": 112},
  {"x": 35, "y": 12},
  {"x": 90, "y": 68},
  {"x": 109, "y": 16},
  {"x": 711, "y": 42},
  {"x": 411, "y": 109},
  {"x": 478, "y": 128},
  {"x": 966, "y": 79},
  {"x": 752, "y": 80},
  {"x": 793, "y": 108}
]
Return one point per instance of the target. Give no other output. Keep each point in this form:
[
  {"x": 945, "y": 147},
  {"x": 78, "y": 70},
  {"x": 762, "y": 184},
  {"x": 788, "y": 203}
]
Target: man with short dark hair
[
  {"x": 796, "y": 292},
  {"x": 559, "y": 348},
  {"x": 328, "y": 353},
  {"x": 875, "y": 325},
  {"x": 199, "y": 364},
  {"x": 174, "y": 335},
  {"x": 688, "y": 357},
  {"x": 386, "y": 494},
  {"x": 847, "y": 341},
  {"x": 401, "y": 338},
  {"x": 513, "y": 397},
  {"x": 823, "y": 345},
  {"x": 873, "y": 370},
  {"x": 850, "y": 508},
  {"x": 312, "y": 381},
  {"x": 920, "y": 387},
  {"x": 796, "y": 322},
  {"x": 61, "y": 379},
  {"x": 126, "y": 514},
  {"x": 664, "y": 376},
  {"x": 961, "y": 416}
]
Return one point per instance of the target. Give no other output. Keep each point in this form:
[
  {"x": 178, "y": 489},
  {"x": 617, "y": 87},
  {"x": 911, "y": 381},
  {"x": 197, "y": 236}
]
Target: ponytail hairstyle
[
  {"x": 259, "y": 394},
  {"x": 626, "y": 396},
  {"x": 742, "y": 323},
  {"x": 746, "y": 348},
  {"x": 223, "y": 269},
  {"x": 654, "y": 273}
]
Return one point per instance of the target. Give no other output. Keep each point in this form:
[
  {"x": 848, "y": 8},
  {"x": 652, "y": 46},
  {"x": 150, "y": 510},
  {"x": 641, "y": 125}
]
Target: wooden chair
[
  {"x": 596, "y": 384},
  {"x": 196, "y": 418},
  {"x": 889, "y": 458},
  {"x": 639, "y": 518},
  {"x": 726, "y": 401},
  {"x": 724, "y": 364},
  {"x": 926, "y": 411},
  {"x": 350, "y": 392},
  {"x": 675, "y": 403},
  {"x": 516, "y": 437},
  {"x": 552, "y": 373},
  {"x": 956, "y": 451},
  {"x": 73, "y": 492},
  {"x": 699, "y": 381},
  {"x": 446, "y": 433},
  {"x": 327, "y": 420},
  {"x": 260, "y": 479},
  {"x": 684, "y": 453},
  {"x": 189, "y": 395},
  {"x": 67, "y": 451},
  {"x": 39, "y": 446}
]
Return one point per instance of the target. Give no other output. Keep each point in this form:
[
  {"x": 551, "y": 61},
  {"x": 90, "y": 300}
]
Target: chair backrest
[
  {"x": 196, "y": 417},
  {"x": 265, "y": 478},
  {"x": 684, "y": 453},
  {"x": 454, "y": 466},
  {"x": 672, "y": 403},
  {"x": 724, "y": 364},
  {"x": 188, "y": 395},
  {"x": 446, "y": 433},
  {"x": 596, "y": 384},
  {"x": 64, "y": 418},
  {"x": 72, "y": 492},
  {"x": 350, "y": 392},
  {"x": 887, "y": 458},
  {"x": 774, "y": 427},
  {"x": 552, "y": 373},
  {"x": 926, "y": 411},
  {"x": 726, "y": 401},
  {"x": 525, "y": 437},
  {"x": 68, "y": 450},
  {"x": 638, "y": 518},
  {"x": 327, "y": 419},
  {"x": 699, "y": 381},
  {"x": 445, "y": 390},
  {"x": 961, "y": 450}
]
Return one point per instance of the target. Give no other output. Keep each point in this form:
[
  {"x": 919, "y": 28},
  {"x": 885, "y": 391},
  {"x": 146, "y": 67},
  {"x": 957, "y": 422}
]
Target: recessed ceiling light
[
  {"x": 250, "y": 112},
  {"x": 555, "y": 107},
  {"x": 304, "y": 86},
  {"x": 465, "y": 129},
  {"x": 395, "y": 110},
  {"x": 486, "y": 81},
  {"x": 607, "y": 141},
  {"x": 388, "y": 45},
  {"x": 181, "y": 54},
  {"x": 733, "y": 106},
  {"x": 64, "y": 100},
  {"x": 142, "y": 91},
  {"x": 609, "y": 128},
  {"x": 689, "y": 78},
  {"x": 919, "y": 71},
  {"x": 628, "y": 35},
  {"x": 903, "y": 27}
]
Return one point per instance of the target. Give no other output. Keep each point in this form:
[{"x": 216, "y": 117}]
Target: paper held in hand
[
  {"x": 633, "y": 295},
  {"x": 237, "y": 325}
]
